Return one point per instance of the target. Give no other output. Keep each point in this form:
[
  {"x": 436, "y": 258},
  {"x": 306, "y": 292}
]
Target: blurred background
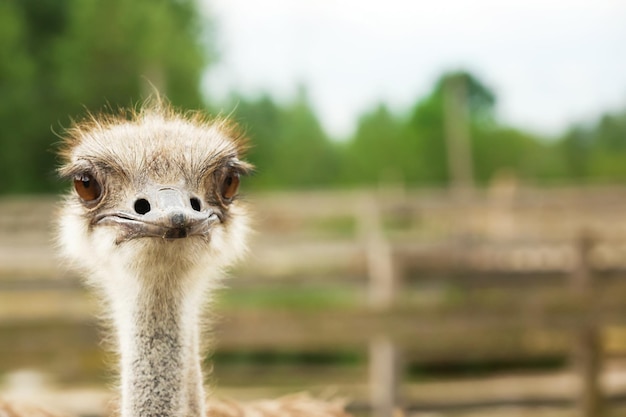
[{"x": 439, "y": 193}]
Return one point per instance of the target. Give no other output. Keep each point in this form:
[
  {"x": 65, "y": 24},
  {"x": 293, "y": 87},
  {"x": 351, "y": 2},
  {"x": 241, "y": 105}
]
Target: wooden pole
[
  {"x": 383, "y": 354},
  {"x": 588, "y": 346},
  {"x": 456, "y": 114},
  {"x": 378, "y": 256},
  {"x": 383, "y": 376}
]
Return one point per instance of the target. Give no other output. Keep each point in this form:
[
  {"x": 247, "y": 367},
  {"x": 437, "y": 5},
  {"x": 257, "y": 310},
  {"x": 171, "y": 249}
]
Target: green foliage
[
  {"x": 505, "y": 149},
  {"x": 413, "y": 150},
  {"x": 379, "y": 150},
  {"x": 17, "y": 71},
  {"x": 427, "y": 129},
  {"x": 598, "y": 152},
  {"x": 122, "y": 45},
  {"x": 289, "y": 147},
  {"x": 60, "y": 57}
]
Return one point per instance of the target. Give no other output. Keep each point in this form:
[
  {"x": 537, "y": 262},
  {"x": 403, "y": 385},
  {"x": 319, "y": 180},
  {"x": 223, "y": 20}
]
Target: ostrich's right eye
[
  {"x": 230, "y": 185},
  {"x": 87, "y": 187}
]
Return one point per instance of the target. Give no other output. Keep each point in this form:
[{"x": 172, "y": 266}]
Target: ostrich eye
[
  {"x": 230, "y": 185},
  {"x": 87, "y": 187}
]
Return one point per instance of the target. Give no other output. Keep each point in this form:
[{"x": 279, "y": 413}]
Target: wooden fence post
[
  {"x": 588, "y": 346},
  {"x": 383, "y": 354},
  {"x": 383, "y": 376},
  {"x": 458, "y": 146}
]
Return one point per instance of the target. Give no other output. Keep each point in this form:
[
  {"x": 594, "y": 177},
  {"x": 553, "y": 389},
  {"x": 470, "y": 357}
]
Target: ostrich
[{"x": 152, "y": 221}]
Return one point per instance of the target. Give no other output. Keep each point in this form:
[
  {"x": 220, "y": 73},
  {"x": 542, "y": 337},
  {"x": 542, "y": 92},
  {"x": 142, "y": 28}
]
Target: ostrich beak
[{"x": 167, "y": 213}]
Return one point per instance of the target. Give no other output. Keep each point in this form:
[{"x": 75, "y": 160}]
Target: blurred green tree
[
  {"x": 494, "y": 147},
  {"x": 412, "y": 149},
  {"x": 23, "y": 40},
  {"x": 597, "y": 152},
  {"x": 428, "y": 120},
  {"x": 530, "y": 158},
  {"x": 112, "y": 49},
  {"x": 289, "y": 147},
  {"x": 575, "y": 147},
  {"x": 60, "y": 57},
  {"x": 380, "y": 151}
]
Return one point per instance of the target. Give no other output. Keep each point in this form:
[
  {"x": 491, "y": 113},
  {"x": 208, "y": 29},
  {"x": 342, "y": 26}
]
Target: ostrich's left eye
[
  {"x": 230, "y": 185},
  {"x": 87, "y": 187}
]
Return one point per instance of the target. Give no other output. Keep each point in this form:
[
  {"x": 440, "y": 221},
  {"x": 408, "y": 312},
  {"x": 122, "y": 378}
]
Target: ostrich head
[
  {"x": 152, "y": 219},
  {"x": 153, "y": 191}
]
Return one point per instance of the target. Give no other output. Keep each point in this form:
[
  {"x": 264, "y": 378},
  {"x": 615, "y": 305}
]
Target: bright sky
[{"x": 550, "y": 62}]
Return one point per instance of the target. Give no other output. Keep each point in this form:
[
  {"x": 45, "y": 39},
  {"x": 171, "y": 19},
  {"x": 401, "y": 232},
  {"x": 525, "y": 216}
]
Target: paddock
[{"x": 502, "y": 302}]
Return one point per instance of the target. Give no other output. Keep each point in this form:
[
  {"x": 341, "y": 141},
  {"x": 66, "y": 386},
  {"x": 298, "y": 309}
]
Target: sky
[{"x": 551, "y": 63}]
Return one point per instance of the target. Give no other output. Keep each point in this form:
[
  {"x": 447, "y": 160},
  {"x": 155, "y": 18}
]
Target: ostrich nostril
[
  {"x": 195, "y": 204},
  {"x": 142, "y": 206}
]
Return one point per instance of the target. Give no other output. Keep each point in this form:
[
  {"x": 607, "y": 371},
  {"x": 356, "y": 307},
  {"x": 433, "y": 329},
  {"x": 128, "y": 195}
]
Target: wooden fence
[{"x": 502, "y": 274}]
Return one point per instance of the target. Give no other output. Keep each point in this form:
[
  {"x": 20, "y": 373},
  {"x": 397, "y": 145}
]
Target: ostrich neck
[{"x": 157, "y": 329}]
